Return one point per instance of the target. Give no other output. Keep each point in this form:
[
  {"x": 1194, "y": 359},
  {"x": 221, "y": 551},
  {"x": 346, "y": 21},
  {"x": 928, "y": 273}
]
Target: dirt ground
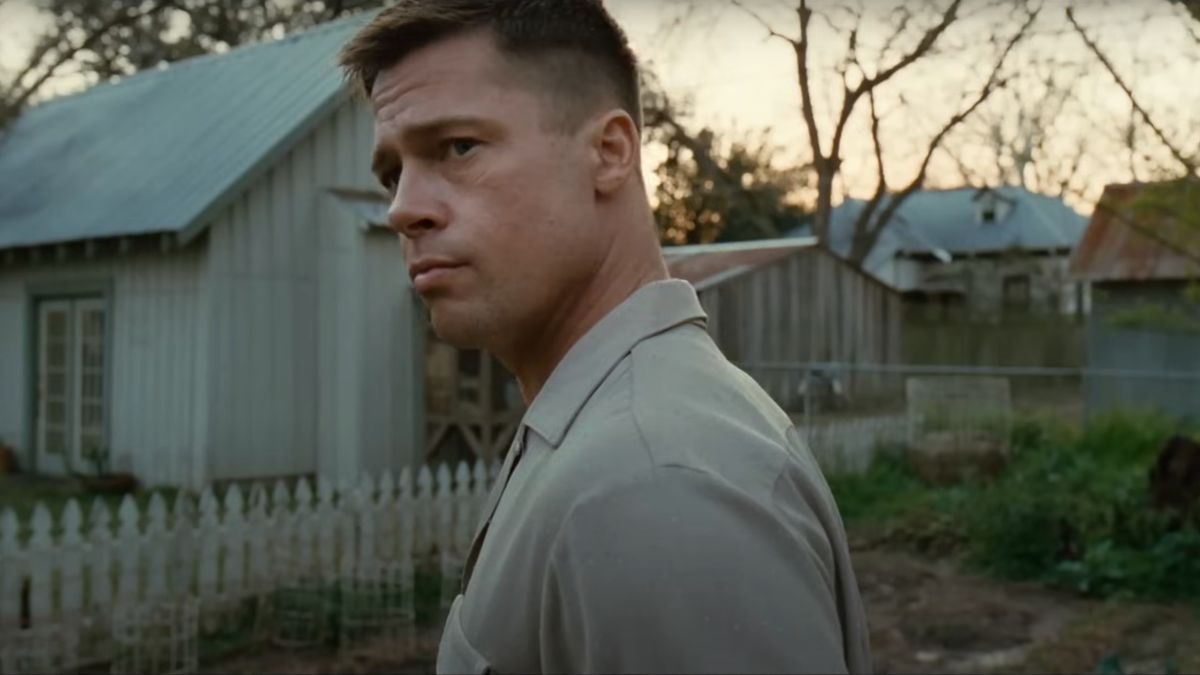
[
  {"x": 929, "y": 616},
  {"x": 926, "y": 616}
]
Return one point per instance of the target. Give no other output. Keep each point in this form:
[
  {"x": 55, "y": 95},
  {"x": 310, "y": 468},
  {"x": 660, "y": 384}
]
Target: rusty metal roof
[
  {"x": 705, "y": 265},
  {"x": 1122, "y": 243}
]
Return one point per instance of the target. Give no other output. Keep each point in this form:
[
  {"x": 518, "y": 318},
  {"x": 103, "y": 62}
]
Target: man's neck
[{"x": 538, "y": 359}]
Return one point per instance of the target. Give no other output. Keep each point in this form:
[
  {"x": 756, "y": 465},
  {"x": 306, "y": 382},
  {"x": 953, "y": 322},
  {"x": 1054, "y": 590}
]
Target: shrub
[
  {"x": 1070, "y": 509},
  {"x": 885, "y": 489}
]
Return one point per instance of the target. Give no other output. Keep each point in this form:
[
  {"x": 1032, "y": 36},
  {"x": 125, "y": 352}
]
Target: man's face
[{"x": 496, "y": 209}]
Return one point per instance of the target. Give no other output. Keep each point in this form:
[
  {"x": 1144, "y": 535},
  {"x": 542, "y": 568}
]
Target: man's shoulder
[{"x": 677, "y": 402}]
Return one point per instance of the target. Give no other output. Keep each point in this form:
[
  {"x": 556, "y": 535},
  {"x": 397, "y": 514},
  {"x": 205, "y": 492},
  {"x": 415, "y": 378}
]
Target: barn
[
  {"x": 776, "y": 305},
  {"x": 188, "y": 286},
  {"x": 1143, "y": 333}
]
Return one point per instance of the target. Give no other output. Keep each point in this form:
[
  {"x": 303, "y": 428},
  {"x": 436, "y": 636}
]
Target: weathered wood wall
[{"x": 808, "y": 307}]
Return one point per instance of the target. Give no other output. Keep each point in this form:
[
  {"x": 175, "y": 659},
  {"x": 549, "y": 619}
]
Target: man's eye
[
  {"x": 391, "y": 180},
  {"x": 461, "y": 146}
]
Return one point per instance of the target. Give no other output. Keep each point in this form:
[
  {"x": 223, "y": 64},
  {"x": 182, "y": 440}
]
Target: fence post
[
  {"x": 183, "y": 562},
  {"x": 71, "y": 557},
  {"x": 447, "y": 553},
  {"x": 40, "y": 557},
  {"x": 208, "y": 543},
  {"x": 259, "y": 535},
  {"x": 385, "y": 524},
  {"x": 364, "y": 506},
  {"x": 129, "y": 540},
  {"x": 326, "y": 555},
  {"x": 302, "y": 527},
  {"x": 156, "y": 549},
  {"x": 479, "y": 492},
  {"x": 100, "y": 542},
  {"x": 464, "y": 512},
  {"x": 423, "y": 507},
  {"x": 233, "y": 565},
  {"x": 282, "y": 523}
]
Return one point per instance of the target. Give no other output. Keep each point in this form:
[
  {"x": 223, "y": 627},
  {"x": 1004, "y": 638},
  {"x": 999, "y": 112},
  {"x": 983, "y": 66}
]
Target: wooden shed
[
  {"x": 775, "y": 306},
  {"x": 1143, "y": 333},
  {"x": 186, "y": 284}
]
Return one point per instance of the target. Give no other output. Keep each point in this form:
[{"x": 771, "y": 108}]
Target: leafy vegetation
[{"x": 1072, "y": 510}]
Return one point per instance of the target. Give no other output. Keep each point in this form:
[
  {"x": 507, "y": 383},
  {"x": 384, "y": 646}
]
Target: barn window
[
  {"x": 71, "y": 389},
  {"x": 988, "y": 213}
]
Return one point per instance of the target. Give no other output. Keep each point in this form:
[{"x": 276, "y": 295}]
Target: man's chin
[{"x": 457, "y": 331}]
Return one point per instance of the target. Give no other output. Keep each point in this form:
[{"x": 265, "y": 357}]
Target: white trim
[{"x": 45, "y": 310}]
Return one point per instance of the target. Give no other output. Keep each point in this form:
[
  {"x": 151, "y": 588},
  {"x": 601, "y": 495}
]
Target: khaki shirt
[{"x": 661, "y": 514}]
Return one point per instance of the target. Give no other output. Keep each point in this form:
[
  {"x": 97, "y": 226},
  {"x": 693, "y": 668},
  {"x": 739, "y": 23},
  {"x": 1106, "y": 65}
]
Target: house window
[
  {"x": 988, "y": 213},
  {"x": 1017, "y": 292},
  {"x": 71, "y": 391}
]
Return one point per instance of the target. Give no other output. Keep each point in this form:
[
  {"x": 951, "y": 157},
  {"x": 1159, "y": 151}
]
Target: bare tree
[
  {"x": 863, "y": 77},
  {"x": 1020, "y": 133},
  {"x": 1187, "y": 162},
  {"x": 1167, "y": 211}
]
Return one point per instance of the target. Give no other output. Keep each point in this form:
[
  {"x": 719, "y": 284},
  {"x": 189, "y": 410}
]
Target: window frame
[{"x": 99, "y": 293}]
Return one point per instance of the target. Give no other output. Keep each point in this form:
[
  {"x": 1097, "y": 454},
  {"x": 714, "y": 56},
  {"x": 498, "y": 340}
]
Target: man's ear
[{"x": 616, "y": 149}]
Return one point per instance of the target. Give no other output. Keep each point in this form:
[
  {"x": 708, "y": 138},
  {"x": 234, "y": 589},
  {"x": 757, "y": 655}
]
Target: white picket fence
[{"x": 138, "y": 597}]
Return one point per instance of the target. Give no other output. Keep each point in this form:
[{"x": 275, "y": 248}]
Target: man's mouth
[{"x": 429, "y": 273}]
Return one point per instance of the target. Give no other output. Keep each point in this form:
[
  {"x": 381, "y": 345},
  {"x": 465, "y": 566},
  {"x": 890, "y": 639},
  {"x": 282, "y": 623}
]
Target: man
[{"x": 657, "y": 512}]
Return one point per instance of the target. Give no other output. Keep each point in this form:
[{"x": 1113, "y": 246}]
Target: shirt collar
[{"x": 654, "y": 308}]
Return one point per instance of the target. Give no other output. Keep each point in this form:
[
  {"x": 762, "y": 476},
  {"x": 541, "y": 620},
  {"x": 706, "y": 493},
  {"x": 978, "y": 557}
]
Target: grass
[{"x": 887, "y": 490}]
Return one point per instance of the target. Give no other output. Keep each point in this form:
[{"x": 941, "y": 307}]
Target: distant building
[
  {"x": 766, "y": 316},
  {"x": 973, "y": 252},
  {"x": 187, "y": 278},
  {"x": 1140, "y": 264}
]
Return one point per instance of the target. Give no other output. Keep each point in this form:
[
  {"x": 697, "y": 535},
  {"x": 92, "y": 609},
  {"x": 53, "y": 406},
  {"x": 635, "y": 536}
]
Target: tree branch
[
  {"x": 867, "y": 238},
  {"x": 928, "y": 40},
  {"x": 1187, "y": 163},
  {"x": 771, "y": 32},
  {"x": 901, "y": 26},
  {"x": 123, "y": 17},
  {"x": 806, "y": 102},
  {"x": 859, "y": 249}
]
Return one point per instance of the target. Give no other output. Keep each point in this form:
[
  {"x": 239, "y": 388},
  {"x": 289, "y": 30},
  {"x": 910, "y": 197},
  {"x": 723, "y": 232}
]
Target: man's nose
[{"x": 415, "y": 208}]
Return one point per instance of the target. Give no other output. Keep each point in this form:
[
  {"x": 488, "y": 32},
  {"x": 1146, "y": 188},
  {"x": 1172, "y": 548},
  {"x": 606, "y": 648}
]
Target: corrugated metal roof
[
  {"x": 164, "y": 150},
  {"x": 706, "y": 265},
  {"x": 1119, "y": 246},
  {"x": 944, "y": 223}
]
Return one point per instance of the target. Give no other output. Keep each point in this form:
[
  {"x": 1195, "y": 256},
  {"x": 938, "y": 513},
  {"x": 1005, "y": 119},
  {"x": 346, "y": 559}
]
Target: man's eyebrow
[{"x": 420, "y": 131}]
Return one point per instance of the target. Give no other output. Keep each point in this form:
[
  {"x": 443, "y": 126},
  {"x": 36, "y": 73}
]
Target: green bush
[
  {"x": 887, "y": 488},
  {"x": 1070, "y": 509}
]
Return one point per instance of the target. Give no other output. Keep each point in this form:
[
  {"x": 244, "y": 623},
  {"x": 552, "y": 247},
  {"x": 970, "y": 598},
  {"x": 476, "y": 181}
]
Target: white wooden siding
[
  {"x": 14, "y": 356},
  {"x": 296, "y": 301},
  {"x": 392, "y": 409},
  {"x": 280, "y": 343},
  {"x": 154, "y": 349}
]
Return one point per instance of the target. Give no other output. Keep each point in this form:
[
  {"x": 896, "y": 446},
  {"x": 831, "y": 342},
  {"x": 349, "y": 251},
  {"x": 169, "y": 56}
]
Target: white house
[
  {"x": 985, "y": 250},
  {"x": 187, "y": 278}
]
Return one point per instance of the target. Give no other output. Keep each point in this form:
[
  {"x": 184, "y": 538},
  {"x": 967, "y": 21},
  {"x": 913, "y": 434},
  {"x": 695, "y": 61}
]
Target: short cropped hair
[{"x": 574, "y": 48}]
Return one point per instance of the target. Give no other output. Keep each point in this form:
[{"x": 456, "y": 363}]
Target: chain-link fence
[{"x": 848, "y": 412}]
